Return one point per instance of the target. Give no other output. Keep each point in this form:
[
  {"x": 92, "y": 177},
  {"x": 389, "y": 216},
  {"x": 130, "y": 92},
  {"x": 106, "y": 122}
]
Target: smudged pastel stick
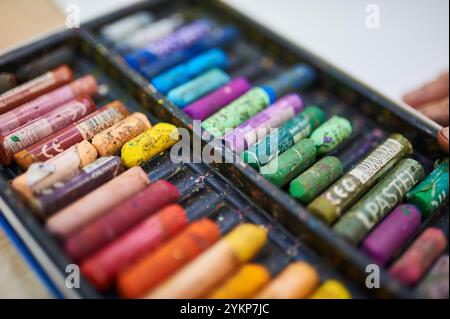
[
  {"x": 84, "y": 129},
  {"x": 236, "y": 248},
  {"x": 435, "y": 283},
  {"x": 416, "y": 260},
  {"x": 379, "y": 201},
  {"x": 154, "y": 268},
  {"x": 353, "y": 185},
  {"x": 331, "y": 134},
  {"x": 33, "y": 110},
  {"x": 331, "y": 289},
  {"x": 124, "y": 27},
  {"x": 297, "y": 281},
  {"x": 97, "y": 203},
  {"x": 43, "y": 175},
  {"x": 103, "y": 267},
  {"x": 388, "y": 237},
  {"x": 48, "y": 124},
  {"x": 7, "y": 81},
  {"x": 34, "y": 88}
]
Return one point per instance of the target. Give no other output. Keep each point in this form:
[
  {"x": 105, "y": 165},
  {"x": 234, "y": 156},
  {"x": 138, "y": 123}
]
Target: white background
[{"x": 411, "y": 46}]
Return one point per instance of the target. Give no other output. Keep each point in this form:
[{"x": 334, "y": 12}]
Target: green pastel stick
[
  {"x": 291, "y": 163},
  {"x": 331, "y": 134}
]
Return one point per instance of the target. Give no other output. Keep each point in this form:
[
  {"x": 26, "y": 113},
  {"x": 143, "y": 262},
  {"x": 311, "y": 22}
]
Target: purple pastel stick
[
  {"x": 259, "y": 126},
  {"x": 392, "y": 233},
  {"x": 210, "y": 104}
]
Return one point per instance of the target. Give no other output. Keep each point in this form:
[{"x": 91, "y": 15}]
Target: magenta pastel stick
[
  {"x": 388, "y": 237},
  {"x": 210, "y": 104},
  {"x": 259, "y": 126}
]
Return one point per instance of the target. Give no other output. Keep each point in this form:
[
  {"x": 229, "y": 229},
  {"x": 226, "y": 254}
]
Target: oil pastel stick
[
  {"x": 296, "y": 281},
  {"x": 46, "y": 174},
  {"x": 278, "y": 142},
  {"x": 389, "y": 236},
  {"x": 124, "y": 27},
  {"x": 236, "y": 248},
  {"x": 129, "y": 213},
  {"x": 384, "y": 196},
  {"x": 435, "y": 283},
  {"x": 175, "y": 41},
  {"x": 97, "y": 203},
  {"x": 48, "y": 124},
  {"x": 291, "y": 163},
  {"x": 353, "y": 185},
  {"x": 198, "y": 87},
  {"x": 298, "y": 77},
  {"x": 34, "y": 88},
  {"x": 7, "y": 81},
  {"x": 219, "y": 38},
  {"x": 331, "y": 289},
  {"x": 85, "y": 86},
  {"x": 103, "y": 266},
  {"x": 429, "y": 195},
  {"x": 179, "y": 75},
  {"x": 210, "y": 104},
  {"x": 257, "y": 127},
  {"x": 411, "y": 266},
  {"x": 331, "y": 134},
  {"x": 154, "y": 268},
  {"x": 84, "y": 129},
  {"x": 111, "y": 140},
  {"x": 61, "y": 194}
]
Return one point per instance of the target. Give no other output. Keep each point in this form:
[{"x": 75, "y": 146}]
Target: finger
[
  {"x": 443, "y": 139},
  {"x": 437, "y": 111},
  {"x": 436, "y": 90}
]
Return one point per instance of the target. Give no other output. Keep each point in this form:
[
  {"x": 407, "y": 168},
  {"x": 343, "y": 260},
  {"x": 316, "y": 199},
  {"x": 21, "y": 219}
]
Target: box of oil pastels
[{"x": 298, "y": 182}]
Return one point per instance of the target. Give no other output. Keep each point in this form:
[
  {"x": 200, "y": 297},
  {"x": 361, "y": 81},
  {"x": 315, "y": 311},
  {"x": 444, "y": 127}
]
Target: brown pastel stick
[
  {"x": 111, "y": 140},
  {"x": 98, "y": 202},
  {"x": 45, "y": 174},
  {"x": 298, "y": 280}
]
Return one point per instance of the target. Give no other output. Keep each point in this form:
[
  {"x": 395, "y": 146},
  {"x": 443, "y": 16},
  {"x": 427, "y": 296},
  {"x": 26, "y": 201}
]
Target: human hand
[{"x": 432, "y": 101}]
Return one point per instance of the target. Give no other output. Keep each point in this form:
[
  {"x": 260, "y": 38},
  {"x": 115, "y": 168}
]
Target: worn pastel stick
[
  {"x": 429, "y": 195},
  {"x": 124, "y": 27},
  {"x": 34, "y": 88},
  {"x": 284, "y": 138},
  {"x": 153, "y": 269},
  {"x": 61, "y": 194},
  {"x": 97, "y": 203},
  {"x": 316, "y": 179},
  {"x": 291, "y": 163},
  {"x": 152, "y": 32},
  {"x": 210, "y": 104},
  {"x": 28, "y": 112},
  {"x": 379, "y": 201},
  {"x": 198, "y": 87},
  {"x": 43, "y": 175},
  {"x": 331, "y": 134},
  {"x": 331, "y": 289},
  {"x": 416, "y": 260},
  {"x": 149, "y": 144},
  {"x": 7, "y": 81},
  {"x": 353, "y": 185},
  {"x": 181, "y": 74},
  {"x": 49, "y": 61},
  {"x": 298, "y": 77},
  {"x": 236, "y": 248},
  {"x": 219, "y": 38},
  {"x": 175, "y": 41},
  {"x": 388, "y": 237},
  {"x": 50, "y": 123},
  {"x": 435, "y": 284},
  {"x": 111, "y": 140},
  {"x": 257, "y": 127},
  {"x": 297, "y": 281},
  {"x": 103, "y": 266},
  {"x": 84, "y": 129}
]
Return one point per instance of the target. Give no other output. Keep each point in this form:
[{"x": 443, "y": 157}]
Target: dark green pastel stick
[{"x": 291, "y": 163}]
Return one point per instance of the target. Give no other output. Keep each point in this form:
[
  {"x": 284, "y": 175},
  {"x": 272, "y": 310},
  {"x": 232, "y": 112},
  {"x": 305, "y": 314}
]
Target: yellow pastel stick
[
  {"x": 149, "y": 144},
  {"x": 331, "y": 289}
]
